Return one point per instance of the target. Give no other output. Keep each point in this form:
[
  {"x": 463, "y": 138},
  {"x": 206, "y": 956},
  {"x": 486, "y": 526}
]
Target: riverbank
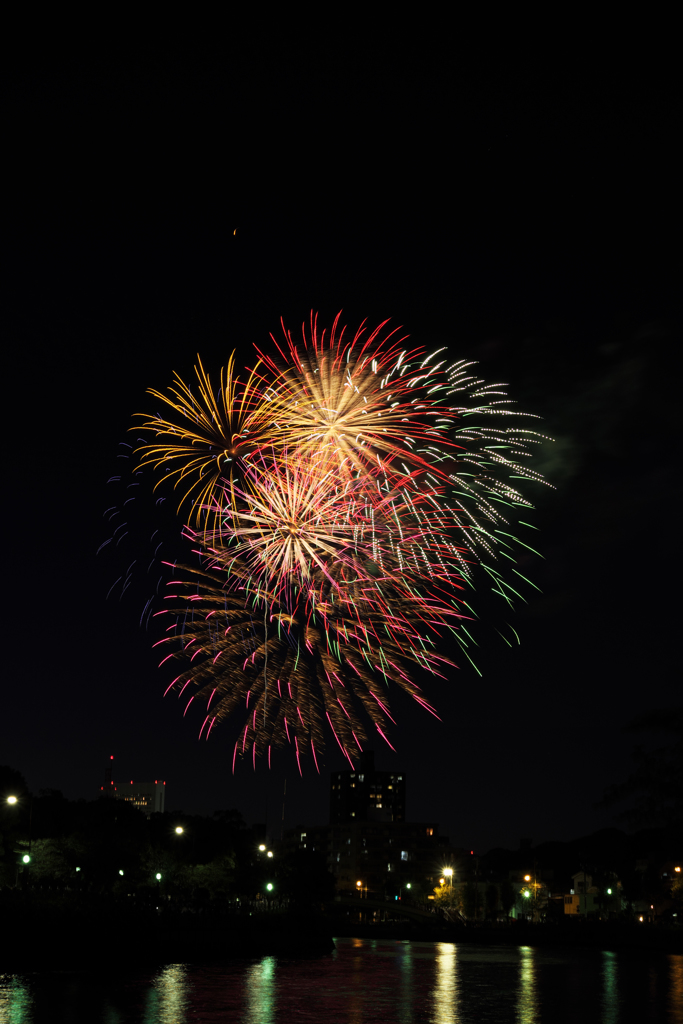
[
  {"x": 40, "y": 933},
  {"x": 592, "y": 935},
  {"x": 39, "y": 936}
]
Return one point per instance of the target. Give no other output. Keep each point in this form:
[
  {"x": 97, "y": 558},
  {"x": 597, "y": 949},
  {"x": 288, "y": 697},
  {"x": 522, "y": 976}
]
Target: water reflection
[
  {"x": 527, "y": 1001},
  {"x": 445, "y": 991},
  {"x": 676, "y": 988},
  {"x": 167, "y": 1000},
  {"x": 610, "y": 990},
  {"x": 259, "y": 987},
  {"x": 404, "y": 952},
  {"x": 15, "y": 1001},
  {"x": 366, "y": 982}
]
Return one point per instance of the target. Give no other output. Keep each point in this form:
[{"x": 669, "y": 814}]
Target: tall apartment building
[
  {"x": 368, "y": 844},
  {"x": 148, "y": 797},
  {"x": 366, "y": 794}
]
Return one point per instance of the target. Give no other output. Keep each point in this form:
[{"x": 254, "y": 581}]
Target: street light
[
  {"x": 120, "y": 871},
  {"x": 26, "y": 858},
  {"x": 179, "y": 830},
  {"x": 269, "y": 887},
  {"x": 270, "y": 853},
  {"x": 158, "y": 877},
  {"x": 262, "y": 848},
  {"x": 13, "y": 800}
]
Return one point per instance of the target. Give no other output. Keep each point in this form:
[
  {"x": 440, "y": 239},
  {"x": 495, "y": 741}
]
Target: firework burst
[
  {"x": 290, "y": 674},
  {"x": 365, "y": 402},
  {"x": 339, "y": 499},
  {"x": 206, "y": 437}
]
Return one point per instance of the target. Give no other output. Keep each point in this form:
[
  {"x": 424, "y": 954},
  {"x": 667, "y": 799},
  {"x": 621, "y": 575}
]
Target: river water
[{"x": 366, "y": 981}]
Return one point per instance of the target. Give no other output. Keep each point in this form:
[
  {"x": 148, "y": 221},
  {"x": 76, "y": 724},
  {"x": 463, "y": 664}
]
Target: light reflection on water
[
  {"x": 367, "y": 982},
  {"x": 527, "y": 1003},
  {"x": 259, "y": 986},
  {"x": 676, "y": 989},
  {"x": 168, "y": 998},
  {"x": 15, "y": 1000},
  {"x": 445, "y": 992},
  {"x": 610, "y": 990}
]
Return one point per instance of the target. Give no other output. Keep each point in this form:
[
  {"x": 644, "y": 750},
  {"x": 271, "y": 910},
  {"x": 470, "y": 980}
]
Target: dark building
[
  {"x": 377, "y": 857},
  {"x": 366, "y": 794},
  {"x": 368, "y": 845}
]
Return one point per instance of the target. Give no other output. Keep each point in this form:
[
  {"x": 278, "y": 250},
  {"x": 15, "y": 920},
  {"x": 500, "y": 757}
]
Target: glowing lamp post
[
  {"x": 13, "y": 800},
  {"x": 179, "y": 830}
]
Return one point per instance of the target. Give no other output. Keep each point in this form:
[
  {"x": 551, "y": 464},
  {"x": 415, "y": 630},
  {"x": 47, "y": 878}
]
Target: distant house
[{"x": 585, "y": 898}]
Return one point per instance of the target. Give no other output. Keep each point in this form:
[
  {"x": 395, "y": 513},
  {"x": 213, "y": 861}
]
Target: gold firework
[{"x": 207, "y": 436}]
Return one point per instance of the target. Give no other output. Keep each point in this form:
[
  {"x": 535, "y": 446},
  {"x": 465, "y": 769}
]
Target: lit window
[
  {"x": 379, "y": 806},
  {"x": 404, "y": 855}
]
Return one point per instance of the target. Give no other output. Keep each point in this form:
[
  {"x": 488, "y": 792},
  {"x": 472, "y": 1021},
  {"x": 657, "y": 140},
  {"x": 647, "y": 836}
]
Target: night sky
[{"x": 166, "y": 201}]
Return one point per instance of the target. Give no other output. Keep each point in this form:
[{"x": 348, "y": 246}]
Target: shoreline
[
  {"x": 38, "y": 938},
  {"x": 587, "y": 936}
]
